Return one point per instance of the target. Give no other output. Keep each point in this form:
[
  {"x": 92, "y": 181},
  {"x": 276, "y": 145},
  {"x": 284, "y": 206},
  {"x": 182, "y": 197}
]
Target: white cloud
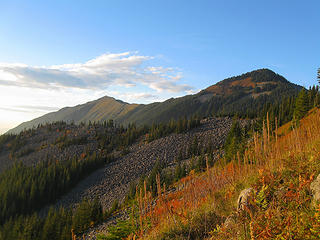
[
  {"x": 29, "y": 109},
  {"x": 193, "y": 91},
  {"x": 134, "y": 97},
  {"x": 123, "y": 69},
  {"x": 27, "y": 92}
]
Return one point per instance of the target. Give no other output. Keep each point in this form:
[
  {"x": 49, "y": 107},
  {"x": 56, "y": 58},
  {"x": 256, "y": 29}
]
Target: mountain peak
[
  {"x": 260, "y": 80},
  {"x": 108, "y": 98}
]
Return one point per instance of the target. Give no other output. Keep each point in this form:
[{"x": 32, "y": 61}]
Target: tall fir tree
[
  {"x": 301, "y": 105},
  {"x": 234, "y": 141}
]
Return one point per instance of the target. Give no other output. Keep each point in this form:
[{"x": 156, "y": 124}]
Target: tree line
[
  {"x": 61, "y": 224},
  {"x": 173, "y": 126},
  {"x": 25, "y": 189}
]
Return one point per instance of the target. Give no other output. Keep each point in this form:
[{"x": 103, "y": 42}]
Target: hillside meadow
[{"x": 279, "y": 166}]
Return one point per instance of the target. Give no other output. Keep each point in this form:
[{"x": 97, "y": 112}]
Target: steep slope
[
  {"x": 112, "y": 182},
  {"x": 244, "y": 95},
  {"x": 275, "y": 196}
]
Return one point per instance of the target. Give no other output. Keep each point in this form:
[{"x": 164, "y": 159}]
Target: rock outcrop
[
  {"x": 244, "y": 199},
  {"x": 315, "y": 189}
]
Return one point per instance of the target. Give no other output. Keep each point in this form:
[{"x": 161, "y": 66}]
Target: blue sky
[{"x": 154, "y": 49}]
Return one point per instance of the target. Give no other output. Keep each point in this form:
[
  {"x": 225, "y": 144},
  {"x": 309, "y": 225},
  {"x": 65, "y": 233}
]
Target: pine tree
[
  {"x": 301, "y": 105},
  {"x": 81, "y": 217},
  {"x": 234, "y": 141},
  {"x": 49, "y": 228},
  {"x": 178, "y": 169}
]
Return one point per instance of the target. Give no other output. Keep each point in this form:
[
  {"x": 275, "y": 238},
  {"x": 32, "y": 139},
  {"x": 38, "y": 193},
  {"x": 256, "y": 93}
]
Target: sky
[{"x": 63, "y": 53}]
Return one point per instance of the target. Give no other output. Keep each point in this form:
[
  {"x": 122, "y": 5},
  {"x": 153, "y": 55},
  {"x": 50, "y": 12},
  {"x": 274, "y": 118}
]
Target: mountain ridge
[{"x": 226, "y": 97}]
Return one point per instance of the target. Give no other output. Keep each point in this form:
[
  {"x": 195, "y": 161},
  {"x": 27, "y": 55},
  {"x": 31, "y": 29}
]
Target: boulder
[
  {"x": 315, "y": 189},
  {"x": 244, "y": 198}
]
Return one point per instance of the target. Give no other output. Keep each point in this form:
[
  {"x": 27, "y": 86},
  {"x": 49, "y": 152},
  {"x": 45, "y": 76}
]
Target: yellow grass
[{"x": 218, "y": 188}]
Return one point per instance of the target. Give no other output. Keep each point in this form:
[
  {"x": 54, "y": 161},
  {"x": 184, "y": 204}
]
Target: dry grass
[{"x": 215, "y": 191}]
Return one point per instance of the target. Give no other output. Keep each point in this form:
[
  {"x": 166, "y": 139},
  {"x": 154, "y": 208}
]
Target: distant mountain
[
  {"x": 244, "y": 95},
  {"x": 98, "y": 110}
]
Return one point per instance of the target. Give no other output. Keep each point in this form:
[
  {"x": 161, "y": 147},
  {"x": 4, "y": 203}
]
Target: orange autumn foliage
[{"x": 268, "y": 152}]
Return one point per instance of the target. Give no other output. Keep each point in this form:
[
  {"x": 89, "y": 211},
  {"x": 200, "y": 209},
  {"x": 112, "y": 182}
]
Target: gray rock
[
  {"x": 244, "y": 198},
  {"x": 315, "y": 189}
]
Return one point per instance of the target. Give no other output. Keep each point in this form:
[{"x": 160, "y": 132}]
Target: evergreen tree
[
  {"x": 201, "y": 163},
  {"x": 178, "y": 170},
  {"x": 301, "y": 105},
  {"x": 82, "y": 217},
  {"x": 49, "y": 228},
  {"x": 234, "y": 141}
]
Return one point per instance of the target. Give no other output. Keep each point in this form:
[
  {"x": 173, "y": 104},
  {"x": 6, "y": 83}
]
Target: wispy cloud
[
  {"x": 133, "y": 97},
  {"x": 29, "y": 91},
  {"x": 29, "y": 109},
  {"x": 123, "y": 69},
  {"x": 39, "y": 108}
]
